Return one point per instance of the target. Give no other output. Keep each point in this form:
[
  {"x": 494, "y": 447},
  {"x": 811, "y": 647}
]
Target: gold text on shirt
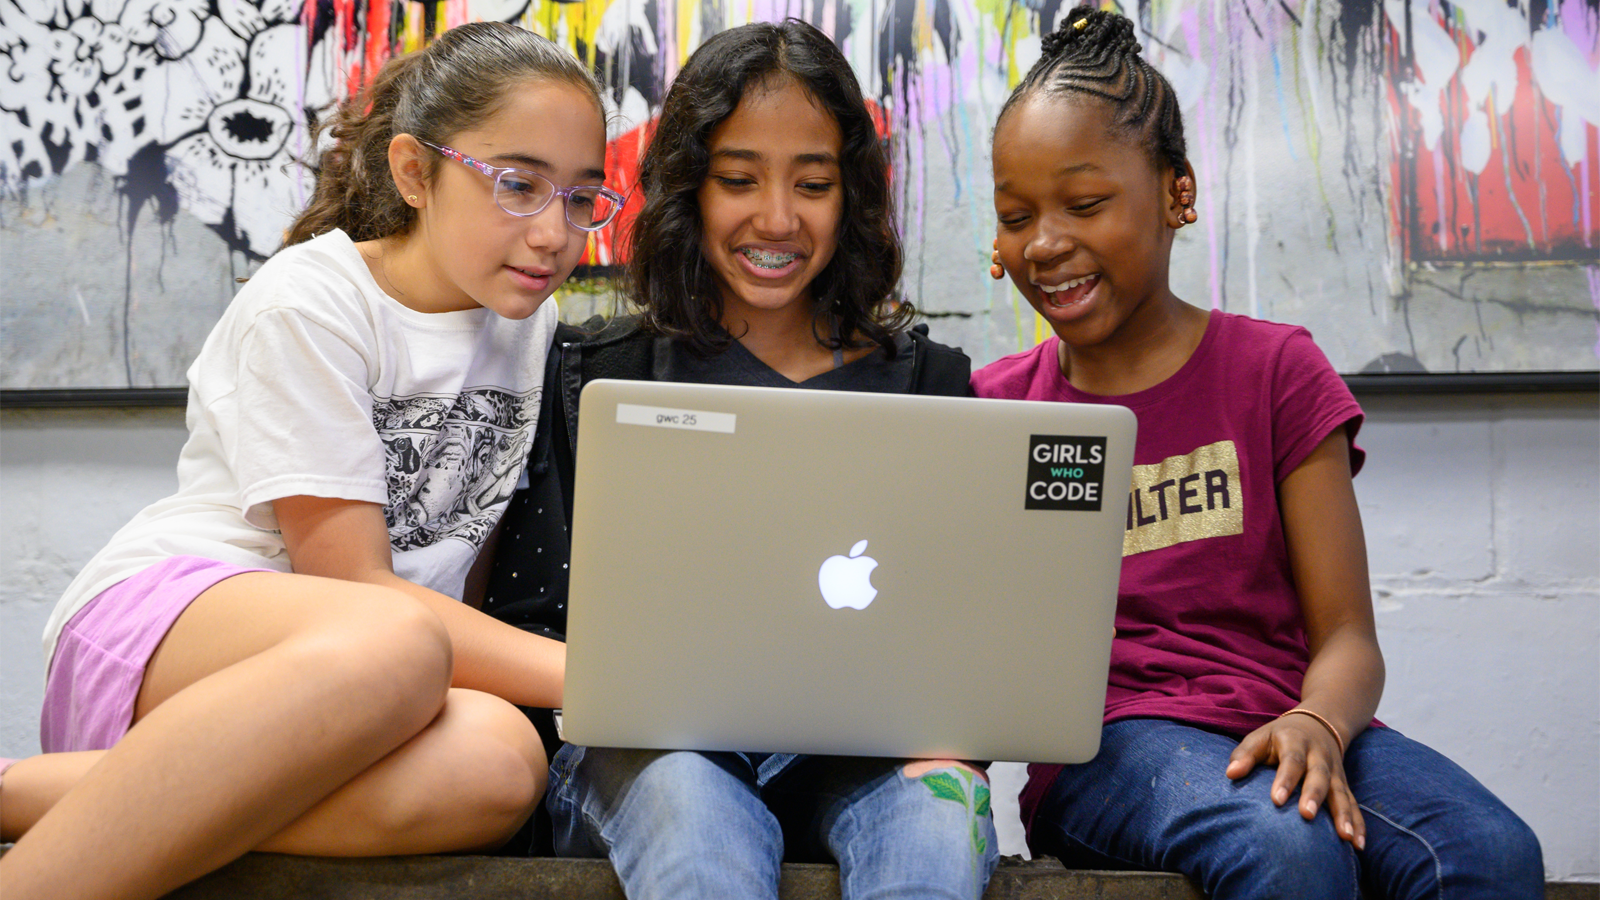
[{"x": 1185, "y": 498}]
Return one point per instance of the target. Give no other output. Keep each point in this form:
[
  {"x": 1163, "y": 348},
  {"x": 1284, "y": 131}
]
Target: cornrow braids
[{"x": 1095, "y": 54}]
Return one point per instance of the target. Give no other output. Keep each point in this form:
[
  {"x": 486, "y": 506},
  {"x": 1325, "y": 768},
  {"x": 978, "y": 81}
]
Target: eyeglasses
[{"x": 524, "y": 193}]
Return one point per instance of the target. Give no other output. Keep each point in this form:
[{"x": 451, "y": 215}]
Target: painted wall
[
  {"x": 1481, "y": 517},
  {"x": 1414, "y": 180}
]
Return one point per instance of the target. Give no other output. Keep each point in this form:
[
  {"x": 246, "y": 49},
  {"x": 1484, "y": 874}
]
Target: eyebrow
[
  {"x": 753, "y": 156},
  {"x": 1078, "y": 169},
  {"x": 524, "y": 161},
  {"x": 1064, "y": 171}
]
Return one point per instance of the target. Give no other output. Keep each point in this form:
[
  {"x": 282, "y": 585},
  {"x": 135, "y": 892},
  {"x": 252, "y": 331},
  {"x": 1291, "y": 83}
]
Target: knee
[
  {"x": 661, "y": 792},
  {"x": 1494, "y": 848},
  {"x": 498, "y": 773},
  {"x": 387, "y": 652},
  {"x": 507, "y": 763},
  {"x": 1283, "y": 855},
  {"x": 932, "y": 825}
]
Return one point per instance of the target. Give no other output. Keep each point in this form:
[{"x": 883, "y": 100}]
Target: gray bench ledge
[
  {"x": 265, "y": 876},
  {"x": 268, "y": 876}
]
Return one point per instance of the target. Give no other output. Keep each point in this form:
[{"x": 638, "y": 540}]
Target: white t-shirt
[{"x": 316, "y": 382}]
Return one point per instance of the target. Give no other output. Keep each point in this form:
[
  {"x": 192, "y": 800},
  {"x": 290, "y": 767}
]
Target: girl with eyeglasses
[
  {"x": 765, "y": 254},
  {"x": 276, "y": 656}
]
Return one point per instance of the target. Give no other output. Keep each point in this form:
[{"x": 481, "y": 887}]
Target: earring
[
  {"x": 411, "y": 198},
  {"x": 1185, "y": 186},
  {"x": 996, "y": 270}
]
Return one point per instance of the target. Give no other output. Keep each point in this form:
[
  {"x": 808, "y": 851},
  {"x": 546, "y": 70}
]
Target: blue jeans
[
  {"x": 681, "y": 824},
  {"x": 1155, "y": 798}
]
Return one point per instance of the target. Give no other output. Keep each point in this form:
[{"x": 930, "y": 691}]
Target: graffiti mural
[{"x": 1414, "y": 180}]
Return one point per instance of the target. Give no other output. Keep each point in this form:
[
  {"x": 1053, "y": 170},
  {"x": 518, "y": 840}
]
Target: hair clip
[{"x": 1080, "y": 25}]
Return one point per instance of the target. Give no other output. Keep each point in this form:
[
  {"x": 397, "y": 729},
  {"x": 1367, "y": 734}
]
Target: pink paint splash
[
  {"x": 1584, "y": 170},
  {"x": 1594, "y": 297},
  {"x": 1191, "y": 32}
]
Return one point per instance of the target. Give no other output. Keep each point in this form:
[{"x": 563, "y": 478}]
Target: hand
[
  {"x": 996, "y": 270},
  {"x": 1305, "y": 754}
]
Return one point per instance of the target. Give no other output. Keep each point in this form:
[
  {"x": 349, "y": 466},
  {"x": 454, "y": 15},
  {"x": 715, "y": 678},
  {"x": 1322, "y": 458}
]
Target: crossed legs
[{"x": 281, "y": 712}]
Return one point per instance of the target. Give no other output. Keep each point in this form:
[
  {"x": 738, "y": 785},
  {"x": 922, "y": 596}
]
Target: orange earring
[{"x": 996, "y": 270}]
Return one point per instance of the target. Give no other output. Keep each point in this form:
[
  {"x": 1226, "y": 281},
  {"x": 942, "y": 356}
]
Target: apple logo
[{"x": 847, "y": 580}]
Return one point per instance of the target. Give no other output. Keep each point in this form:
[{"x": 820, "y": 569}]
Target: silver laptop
[{"x": 787, "y": 570}]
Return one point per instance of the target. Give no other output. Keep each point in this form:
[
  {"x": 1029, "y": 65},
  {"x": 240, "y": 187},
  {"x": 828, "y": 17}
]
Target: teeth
[
  {"x": 1066, "y": 286},
  {"x": 768, "y": 259}
]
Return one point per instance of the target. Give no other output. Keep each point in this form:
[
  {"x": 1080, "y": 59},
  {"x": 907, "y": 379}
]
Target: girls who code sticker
[
  {"x": 1066, "y": 472},
  {"x": 664, "y": 417}
]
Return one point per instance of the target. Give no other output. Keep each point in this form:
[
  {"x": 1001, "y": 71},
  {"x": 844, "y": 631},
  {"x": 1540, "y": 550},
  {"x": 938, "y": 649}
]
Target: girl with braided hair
[{"x": 1245, "y": 669}]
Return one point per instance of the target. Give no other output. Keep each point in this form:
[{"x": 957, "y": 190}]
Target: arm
[
  {"x": 349, "y": 540},
  {"x": 1328, "y": 556}
]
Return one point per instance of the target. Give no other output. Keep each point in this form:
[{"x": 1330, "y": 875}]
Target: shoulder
[
  {"x": 609, "y": 348},
  {"x": 1301, "y": 391},
  {"x": 323, "y": 277},
  {"x": 1010, "y": 376},
  {"x": 1259, "y": 338},
  {"x": 937, "y": 368}
]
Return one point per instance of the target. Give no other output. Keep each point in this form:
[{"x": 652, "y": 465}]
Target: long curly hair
[
  {"x": 453, "y": 84},
  {"x": 1094, "y": 53},
  {"x": 667, "y": 275}
]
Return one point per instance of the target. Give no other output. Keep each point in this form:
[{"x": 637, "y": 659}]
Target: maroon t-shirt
[{"x": 1209, "y": 630}]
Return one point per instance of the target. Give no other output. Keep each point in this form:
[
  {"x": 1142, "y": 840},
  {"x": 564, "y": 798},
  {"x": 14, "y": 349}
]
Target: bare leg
[
  {"x": 269, "y": 694},
  {"x": 468, "y": 780}
]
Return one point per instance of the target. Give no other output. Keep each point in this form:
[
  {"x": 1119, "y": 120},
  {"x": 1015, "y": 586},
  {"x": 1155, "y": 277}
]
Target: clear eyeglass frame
[{"x": 522, "y": 193}]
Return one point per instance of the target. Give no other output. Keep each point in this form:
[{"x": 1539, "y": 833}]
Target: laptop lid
[{"x": 768, "y": 569}]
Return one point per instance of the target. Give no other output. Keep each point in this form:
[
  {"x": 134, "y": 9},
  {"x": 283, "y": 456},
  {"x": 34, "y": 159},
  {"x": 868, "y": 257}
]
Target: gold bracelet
[{"x": 1325, "y": 723}]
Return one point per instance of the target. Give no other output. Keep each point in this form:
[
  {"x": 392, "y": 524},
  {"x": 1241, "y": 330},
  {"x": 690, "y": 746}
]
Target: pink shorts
[{"x": 99, "y": 662}]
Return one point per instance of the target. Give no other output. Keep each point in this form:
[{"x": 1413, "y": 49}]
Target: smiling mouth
[
  {"x": 1068, "y": 292},
  {"x": 768, "y": 259}
]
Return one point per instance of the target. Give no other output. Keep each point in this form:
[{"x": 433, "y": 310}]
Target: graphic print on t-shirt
[
  {"x": 1185, "y": 498},
  {"x": 452, "y": 460}
]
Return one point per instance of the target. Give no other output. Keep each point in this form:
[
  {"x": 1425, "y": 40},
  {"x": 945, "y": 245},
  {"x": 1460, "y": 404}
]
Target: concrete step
[{"x": 265, "y": 876}]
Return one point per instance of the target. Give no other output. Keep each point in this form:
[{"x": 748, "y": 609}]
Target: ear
[
  {"x": 1181, "y": 191},
  {"x": 408, "y": 165}
]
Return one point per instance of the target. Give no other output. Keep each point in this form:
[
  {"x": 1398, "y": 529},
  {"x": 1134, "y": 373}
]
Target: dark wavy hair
[
  {"x": 453, "y": 84},
  {"x": 1095, "y": 54},
  {"x": 668, "y": 277}
]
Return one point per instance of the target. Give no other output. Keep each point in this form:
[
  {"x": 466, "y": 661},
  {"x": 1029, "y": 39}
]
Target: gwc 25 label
[{"x": 1066, "y": 472}]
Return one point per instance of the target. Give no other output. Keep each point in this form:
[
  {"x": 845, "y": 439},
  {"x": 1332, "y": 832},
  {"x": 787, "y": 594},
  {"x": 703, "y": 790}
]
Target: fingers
[
  {"x": 1345, "y": 811},
  {"x": 1308, "y": 759},
  {"x": 1254, "y": 750},
  {"x": 921, "y": 767},
  {"x": 1291, "y": 771}
]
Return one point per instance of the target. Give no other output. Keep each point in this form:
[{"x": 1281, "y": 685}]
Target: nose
[
  {"x": 777, "y": 216},
  {"x": 548, "y": 229},
  {"x": 1051, "y": 239}
]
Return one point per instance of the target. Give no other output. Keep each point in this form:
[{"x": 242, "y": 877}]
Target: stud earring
[
  {"x": 411, "y": 198},
  {"x": 1080, "y": 25},
  {"x": 996, "y": 270}
]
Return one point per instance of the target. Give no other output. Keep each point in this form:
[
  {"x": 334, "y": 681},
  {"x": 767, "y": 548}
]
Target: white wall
[{"x": 1482, "y": 516}]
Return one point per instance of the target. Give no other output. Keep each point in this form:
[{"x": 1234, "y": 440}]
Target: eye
[
  {"x": 732, "y": 181},
  {"x": 519, "y": 183},
  {"x": 583, "y": 199},
  {"x": 1088, "y": 206},
  {"x": 816, "y": 187},
  {"x": 1013, "y": 221}
]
